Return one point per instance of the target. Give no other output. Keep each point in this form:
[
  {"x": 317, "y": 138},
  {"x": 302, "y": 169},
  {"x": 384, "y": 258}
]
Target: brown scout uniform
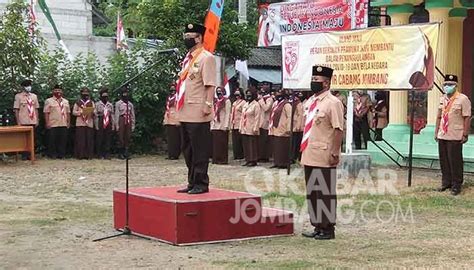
[
  {"x": 124, "y": 123},
  {"x": 220, "y": 134},
  {"x": 22, "y": 101},
  {"x": 298, "y": 127},
  {"x": 103, "y": 133},
  {"x": 449, "y": 144},
  {"x": 58, "y": 110},
  {"x": 281, "y": 131},
  {"x": 84, "y": 134},
  {"x": 195, "y": 126},
  {"x": 250, "y": 129},
  {"x": 173, "y": 131},
  {"x": 236, "y": 115},
  {"x": 264, "y": 144},
  {"x": 361, "y": 120},
  {"x": 329, "y": 117}
]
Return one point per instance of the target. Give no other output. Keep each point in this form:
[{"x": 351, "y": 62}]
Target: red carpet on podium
[{"x": 183, "y": 219}]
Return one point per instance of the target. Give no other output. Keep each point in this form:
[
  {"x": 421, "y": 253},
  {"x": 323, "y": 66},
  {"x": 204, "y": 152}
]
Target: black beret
[
  {"x": 195, "y": 28},
  {"x": 450, "y": 78},
  {"x": 58, "y": 86},
  {"x": 322, "y": 71}
]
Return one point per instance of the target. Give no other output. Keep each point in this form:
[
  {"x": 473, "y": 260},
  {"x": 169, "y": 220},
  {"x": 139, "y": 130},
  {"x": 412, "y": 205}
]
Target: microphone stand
[{"x": 126, "y": 229}]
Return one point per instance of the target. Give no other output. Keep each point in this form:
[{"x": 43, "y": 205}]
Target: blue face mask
[{"x": 449, "y": 89}]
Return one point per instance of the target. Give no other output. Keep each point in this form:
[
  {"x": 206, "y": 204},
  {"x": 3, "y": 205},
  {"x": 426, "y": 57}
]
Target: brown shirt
[
  {"x": 224, "y": 117},
  {"x": 58, "y": 110},
  {"x": 201, "y": 74},
  {"x": 236, "y": 113},
  {"x": 171, "y": 116},
  {"x": 99, "y": 112},
  {"x": 83, "y": 120},
  {"x": 380, "y": 116},
  {"x": 284, "y": 126},
  {"x": 121, "y": 110},
  {"x": 21, "y": 104},
  {"x": 251, "y": 117},
  {"x": 329, "y": 117},
  {"x": 461, "y": 108},
  {"x": 266, "y": 106}
]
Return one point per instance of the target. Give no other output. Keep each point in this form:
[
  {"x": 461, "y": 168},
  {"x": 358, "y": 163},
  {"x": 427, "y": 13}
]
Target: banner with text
[
  {"x": 394, "y": 57},
  {"x": 281, "y": 19}
]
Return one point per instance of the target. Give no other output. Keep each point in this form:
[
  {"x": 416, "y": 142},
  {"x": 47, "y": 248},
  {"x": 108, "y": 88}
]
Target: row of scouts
[{"x": 94, "y": 125}]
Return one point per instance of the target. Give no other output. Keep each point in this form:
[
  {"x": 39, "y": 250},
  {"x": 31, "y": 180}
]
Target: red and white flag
[
  {"x": 121, "y": 38},
  {"x": 32, "y": 18}
]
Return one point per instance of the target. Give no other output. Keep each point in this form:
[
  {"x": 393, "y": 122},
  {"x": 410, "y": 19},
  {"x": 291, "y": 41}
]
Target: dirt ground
[{"x": 51, "y": 211}]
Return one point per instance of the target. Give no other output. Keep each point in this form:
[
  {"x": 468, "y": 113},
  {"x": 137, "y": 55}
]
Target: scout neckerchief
[
  {"x": 447, "y": 105},
  {"x": 277, "y": 113},
  {"x": 308, "y": 124},
  {"x": 84, "y": 104},
  {"x": 127, "y": 114},
  {"x": 187, "y": 63},
  {"x": 106, "y": 118},
  {"x": 171, "y": 102},
  {"x": 234, "y": 109},
  {"x": 30, "y": 106},
  {"x": 61, "y": 107},
  {"x": 272, "y": 113},
  {"x": 219, "y": 104},
  {"x": 358, "y": 106}
]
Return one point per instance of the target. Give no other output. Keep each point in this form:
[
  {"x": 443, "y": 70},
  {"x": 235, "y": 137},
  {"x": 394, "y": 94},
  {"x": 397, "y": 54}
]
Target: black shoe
[
  {"x": 184, "y": 190},
  {"x": 455, "y": 191},
  {"x": 325, "y": 236},
  {"x": 252, "y": 164},
  {"x": 274, "y": 167},
  {"x": 442, "y": 189},
  {"x": 310, "y": 234},
  {"x": 198, "y": 191},
  {"x": 246, "y": 164}
]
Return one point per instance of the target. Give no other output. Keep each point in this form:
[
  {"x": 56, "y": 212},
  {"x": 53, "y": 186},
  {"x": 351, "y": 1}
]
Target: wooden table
[{"x": 17, "y": 139}]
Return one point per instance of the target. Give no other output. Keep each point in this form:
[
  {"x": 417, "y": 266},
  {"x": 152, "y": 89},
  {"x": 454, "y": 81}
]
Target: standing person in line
[
  {"x": 172, "y": 125},
  {"x": 298, "y": 126},
  {"x": 266, "y": 102},
  {"x": 104, "y": 123},
  {"x": 362, "y": 107},
  {"x": 83, "y": 109},
  {"x": 280, "y": 130},
  {"x": 236, "y": 115},
  {"x": 26, "y": 109},
  {"x": 57, "y": 118},
  {"x": 453, "y": 124},
  {"x": 220, "y": 128},
  {"x": 380, "y": 113},
  {"x": 124, "y": 122},
  {"x": 250, "y": 127},
  {"x": 196, "y": 89},
  {"x": 321, "y": 149}
]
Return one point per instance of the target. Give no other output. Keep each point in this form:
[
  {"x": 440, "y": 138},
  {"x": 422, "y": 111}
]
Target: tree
[{"x": 20, "y": 52}]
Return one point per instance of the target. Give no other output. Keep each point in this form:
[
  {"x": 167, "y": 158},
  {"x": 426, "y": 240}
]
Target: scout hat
[
  {"x": 322, "y": 71},
  {"x": 195, "y": 28},
  {"x": 450, "y": 78},
  {"x": 26, "y": 83}
]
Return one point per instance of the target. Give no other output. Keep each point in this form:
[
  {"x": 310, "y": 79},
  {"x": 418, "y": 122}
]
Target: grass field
[{"x": 51, "y": 211}]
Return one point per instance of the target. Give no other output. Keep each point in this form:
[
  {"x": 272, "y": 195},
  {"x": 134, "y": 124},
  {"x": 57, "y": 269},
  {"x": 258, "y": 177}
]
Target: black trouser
[
  {"x": 57, "y": 141},
  {"x": 321, "y": 197},
  {"x": 237, "y": 147},
  {"x": 296, "y": 143},
  {"x": 173, "y": 138},
  {"x": 196, "y": 145},
  {"x": 451, "y": 162},
  {"x": 220, "y": 146},
  {"x": 250, "y": 143},
  {"x": 378, "y": 134},
  {"x": 361, "y": 127},
  {"x": 103, "y": 139}
]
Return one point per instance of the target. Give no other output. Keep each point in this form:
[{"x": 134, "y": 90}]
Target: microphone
[{"x": 173, "y": 50}]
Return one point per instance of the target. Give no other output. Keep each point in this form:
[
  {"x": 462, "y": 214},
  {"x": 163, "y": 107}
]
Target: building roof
[{"x": 265, "y": 58}]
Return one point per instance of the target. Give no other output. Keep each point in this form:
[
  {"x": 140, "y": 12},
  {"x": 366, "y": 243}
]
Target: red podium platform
[{"x": 182, "y": 219}]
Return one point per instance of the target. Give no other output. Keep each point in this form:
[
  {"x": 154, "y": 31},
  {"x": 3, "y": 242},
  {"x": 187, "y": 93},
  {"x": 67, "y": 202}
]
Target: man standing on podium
[
  {"x": 321, "y": 147},
  {"x": 196, "y": 85}
]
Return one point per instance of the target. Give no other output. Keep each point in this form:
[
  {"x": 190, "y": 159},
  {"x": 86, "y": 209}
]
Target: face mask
[
  {"x": 104, "y": 99},
  {"x": 219, "y": 95},
  {"x": 316, "y": 87},
  {"x": 125, "y": 98},
  {"x": 57, "y": 94},
  {"x": 189, "y": 43},
  {"x": 85, "y": 97},
  {"x": 279, "y": 98},
  {"x": 28, "y": 88},
  {"x": 172, "y": 93},
  {"x": 249, "y": 98},
  {"x": 449, "y": 89}
]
